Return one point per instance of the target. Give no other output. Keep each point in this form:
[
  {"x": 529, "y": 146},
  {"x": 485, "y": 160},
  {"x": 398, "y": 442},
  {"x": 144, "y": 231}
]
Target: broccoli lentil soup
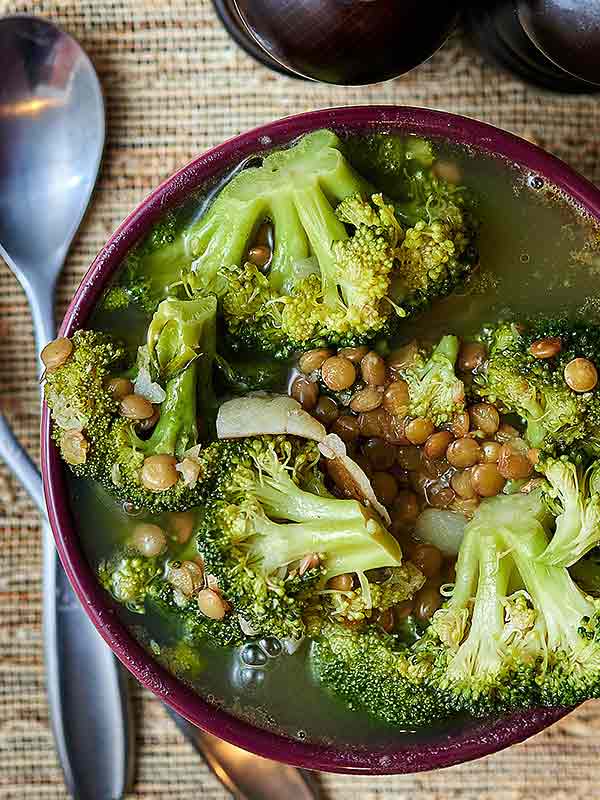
[{"x": 332, "y": 438}]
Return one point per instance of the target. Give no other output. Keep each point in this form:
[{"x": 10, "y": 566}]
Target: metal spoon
[
  {"x": 51, "y": 137},
  {"x": 51, "y": 141}
]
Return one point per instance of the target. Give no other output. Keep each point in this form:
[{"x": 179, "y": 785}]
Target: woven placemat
[{"x": 175, "y": 85}]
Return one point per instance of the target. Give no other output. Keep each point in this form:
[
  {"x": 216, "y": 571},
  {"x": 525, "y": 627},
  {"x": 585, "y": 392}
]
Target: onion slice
[
  {"x": 354, "y": 478},
  {"x": 258, "y": 414}
]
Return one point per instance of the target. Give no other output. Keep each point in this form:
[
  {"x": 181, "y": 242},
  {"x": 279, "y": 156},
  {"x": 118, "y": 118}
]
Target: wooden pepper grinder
[{"x": 554, "y": 44}]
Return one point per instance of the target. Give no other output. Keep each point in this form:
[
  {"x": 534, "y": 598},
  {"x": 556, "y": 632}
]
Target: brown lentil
[
  {"x": 338, "y": 373},
  {"x": 487, "y": 480},
  {"x": 426, "y": 602},
  {"x": 181, "y": 525},
  {"x": 366, "y": 399},
  {"x": 461, "y": 424},
  {"x": 409, "y": 458},
  {"x": 548, "y": 347},
  {"x": 341, "y": 583},
  {"x": 462, "y": 485},
  {"x": 513, "y": 465},
  {"x": 74, "y": 447},
  {"x": 372, "y": 368},
  {"x": 376, "y": 422},
  {"x": 134, "y": 406},
  {"x": 405, "y": 508},
  {"x": 471, "y": 356},
  {"x": 437, "y": 444},
  {"x": 439, "y": 496},
  {"x": 428, "y": 559},
  {"x": 119, "y": 387},
  {"x": 490, "y": 452},
  {"x": 506, "y": 432},
  {"x": 259, "y": 255},
  {"x": 396, "y": 399},
  {"x": 395, "y": 430},
  {"x": 385, "y": 487},
  {"x": 56, "y": 353},
  {"x": 313, "y": 359},
  {"x": 403, "y": 357},
  {"x": 310, "y": 561},
  {"x": 403, "y": 610},
  {"x": 463, "y": 453},
  {"x": 354, "y": 354},
  {"x": 386, "y": 620},
  {"x": 581, "y": 375},
  {"x": 381, "y": 455},
  {"x": 485, "y": 417},
  {"x": 150, "y": 422},
  {"x": 347, "y": 428},
  {"x": 211, "y": 604},
  {"x": 305, "y": 392},
  {"x": 364, "y": 463},
  {"x": 418, "y": 430},
  {"x": 158, "y": 473},
  {"x": 326, "y": 411},
  {"x": 148, "y": 539}
]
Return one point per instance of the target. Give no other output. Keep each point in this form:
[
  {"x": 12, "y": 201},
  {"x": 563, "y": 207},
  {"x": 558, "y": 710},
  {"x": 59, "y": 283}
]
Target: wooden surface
[{"x": 175, "y": 85}]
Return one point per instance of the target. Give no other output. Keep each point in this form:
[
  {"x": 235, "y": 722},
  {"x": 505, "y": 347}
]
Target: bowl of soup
[{"x": 491, "y": 229}]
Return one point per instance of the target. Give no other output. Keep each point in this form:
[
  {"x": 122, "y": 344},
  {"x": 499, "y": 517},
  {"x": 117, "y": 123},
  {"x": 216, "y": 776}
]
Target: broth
[{"x": 538, "y": 253}]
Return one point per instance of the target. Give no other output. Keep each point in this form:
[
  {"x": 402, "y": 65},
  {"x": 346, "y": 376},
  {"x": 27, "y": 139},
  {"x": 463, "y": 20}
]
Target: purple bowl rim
[{"x": 481, "y": 737}]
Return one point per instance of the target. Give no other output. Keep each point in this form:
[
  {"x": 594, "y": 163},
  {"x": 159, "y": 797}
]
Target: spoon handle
[{"x": 87, "y": 687}]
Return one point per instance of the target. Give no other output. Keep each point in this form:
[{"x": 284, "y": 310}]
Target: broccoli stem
[
  {"x": 355, "y": 545},
  {"x": 322, "y": 228},
  {"x": 480, "y": 653},
  {"x": 176, "y": 430}
]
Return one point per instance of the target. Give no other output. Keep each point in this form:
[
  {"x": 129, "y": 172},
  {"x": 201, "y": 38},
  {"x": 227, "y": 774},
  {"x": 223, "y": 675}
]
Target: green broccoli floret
[
  {"x": 387, "y": 159},
  {"x": 260, "y": 524},
  {"x": 139, "y": 285},
  {"x": 434, "y": 390},
  {"x": 372, "y": 672},
  {"x": 342, "y": 268},
  {"x": 179, "y": 352},
  {"x": 373, "y": 597},
  {"x": 127, "y": 575},
  {"x": 572, "y": 496},
  {"x": 516, "y": 632},
  {"x": 557, "y": 417}
]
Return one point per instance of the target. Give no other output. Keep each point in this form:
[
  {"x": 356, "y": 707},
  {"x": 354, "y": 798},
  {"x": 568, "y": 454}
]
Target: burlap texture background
[{"x": 174, "y": 86}]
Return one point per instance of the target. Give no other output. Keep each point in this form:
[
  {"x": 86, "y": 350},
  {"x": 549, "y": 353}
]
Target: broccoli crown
[
  {"x": 572, "y": 496},
  {"x": 373, "y": 597},
  {"x": 179, "y": 355},
  {"x": 557, "y": 417},
  {"x": 513, "y": 625},
  {"x": 269, "y": 540},
  {"x": 371, "y": 672},
  {"x": 127, "y": 575},
  {"x": 434, "y": 390},
  {"x": 342, "y": 268}
]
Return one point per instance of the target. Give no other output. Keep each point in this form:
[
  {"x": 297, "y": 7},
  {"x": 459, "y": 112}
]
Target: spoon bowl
[{"x": 51, "y": 139}]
